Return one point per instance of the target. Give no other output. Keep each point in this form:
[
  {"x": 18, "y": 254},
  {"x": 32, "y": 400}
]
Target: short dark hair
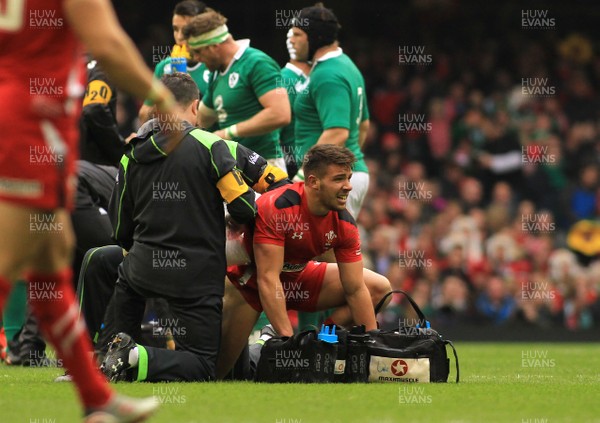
[
  {"x": 320, "y": 156},
  {"x": 182, "y": 86},
  {"x": 189, "y": 8}
]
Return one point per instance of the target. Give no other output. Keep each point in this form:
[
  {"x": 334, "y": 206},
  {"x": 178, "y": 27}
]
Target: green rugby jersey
[
  {"x": 234, "y": 94},
  {"x": 294, "y": 81},
  {"x": 199, "y": 73},
  {"x": 336, "y": 99}
]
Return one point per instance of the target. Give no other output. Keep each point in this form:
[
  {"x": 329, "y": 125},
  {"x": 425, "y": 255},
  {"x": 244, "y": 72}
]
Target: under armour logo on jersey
[
  {"x": 298, "y": 235},
  {"x": 233, "y": 79}
]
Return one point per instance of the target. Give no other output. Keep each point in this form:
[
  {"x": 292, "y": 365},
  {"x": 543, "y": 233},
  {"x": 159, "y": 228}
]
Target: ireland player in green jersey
[
  {"x": 335, "y": 109},
  {"x": 294, "y": 81},
  {"x": 242, "y": 95},
  {"x": 183, "y": 12}
]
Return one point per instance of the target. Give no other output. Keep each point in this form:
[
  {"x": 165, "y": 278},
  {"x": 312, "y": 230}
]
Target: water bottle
[{"x": 179, "y": 57}]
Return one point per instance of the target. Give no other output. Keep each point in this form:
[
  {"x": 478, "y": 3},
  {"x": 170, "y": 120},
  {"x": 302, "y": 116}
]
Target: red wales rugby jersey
[
  {"x": 284, "y": 219},
  {"x": 40, "y": 59}
]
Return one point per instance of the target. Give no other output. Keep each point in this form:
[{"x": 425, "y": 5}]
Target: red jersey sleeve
[
  {"x": 348, "y": 248},
  {"x": 266, "y": 229}
]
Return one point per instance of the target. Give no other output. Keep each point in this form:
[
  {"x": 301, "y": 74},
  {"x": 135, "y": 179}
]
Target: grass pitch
[{"x": 521, "y": 383}]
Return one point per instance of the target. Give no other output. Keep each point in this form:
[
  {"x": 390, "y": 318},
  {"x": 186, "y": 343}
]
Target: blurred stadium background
[{"x": 484, "y": 152}]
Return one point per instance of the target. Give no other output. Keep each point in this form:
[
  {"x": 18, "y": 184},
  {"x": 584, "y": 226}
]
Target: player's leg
[
  {"x": 92, "y": 229},
  {"x": 8, "y": 260},
  {"x": 29, "y": 347},
  {"x": 96, "y": 285},
  {"x": 13, "y": 316},
  {"x": 196, "y": 327},
  {"x": 18, "y": 245},
  {"x": 238, "y": 320},
  {"x": 125, "y": 311},
  {"x": 332, "y": 293},
  {"x": 307, "y": 320},
  {"x": 53, "y": 302}
]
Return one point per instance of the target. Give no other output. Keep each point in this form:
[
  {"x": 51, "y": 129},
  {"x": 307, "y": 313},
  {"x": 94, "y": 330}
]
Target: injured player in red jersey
[{"x": 296, "y": 223}]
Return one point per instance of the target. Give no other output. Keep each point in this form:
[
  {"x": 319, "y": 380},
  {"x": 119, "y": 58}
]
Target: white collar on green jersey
[
  {"x": 335, "y": 53},
  {"x": 295, "y": 69},
  {"x": 193, "y": 68},
  {"x": 243, "y": 44}
]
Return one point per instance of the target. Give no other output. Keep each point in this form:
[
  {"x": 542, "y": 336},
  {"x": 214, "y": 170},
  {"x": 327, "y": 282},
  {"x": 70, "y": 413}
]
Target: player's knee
[
  {"x": 60, "y": 247},
  {"x": 379, "y": 286},
  {"x": 232, "y": 297},
  {"x": 10, "y": 266},
  {"x": 56, "y": 255}
]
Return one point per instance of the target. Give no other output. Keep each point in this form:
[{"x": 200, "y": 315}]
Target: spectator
[
  {"x": 580, "y": 299},
  {"x": 450, "y": 300},
  {"x": 496, "y": 304},
  {"x": 380, "y": 251},
  {"x": 583, "y": 197},
  {"x": 471, "y": 193}
]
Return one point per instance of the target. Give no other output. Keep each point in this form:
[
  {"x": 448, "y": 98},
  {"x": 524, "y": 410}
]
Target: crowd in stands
[{"x": 485, "y": 193}]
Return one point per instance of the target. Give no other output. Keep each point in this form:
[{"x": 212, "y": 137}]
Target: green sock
[
  {"x": 14, "y": 312},
  {"x": 262, "y": 321},
  {"x": 308, "y": 320},
  {"x": 313, "y": 320}
]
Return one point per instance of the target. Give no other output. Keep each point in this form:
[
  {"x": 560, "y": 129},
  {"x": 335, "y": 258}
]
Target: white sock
[
  {"x": 134, "y": 357},
  {"x": 266, "y": 337}
]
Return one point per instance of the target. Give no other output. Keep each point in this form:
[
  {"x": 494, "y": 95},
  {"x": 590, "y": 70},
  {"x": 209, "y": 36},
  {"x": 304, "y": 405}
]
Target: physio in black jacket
[{"x": 167, "y": 214}]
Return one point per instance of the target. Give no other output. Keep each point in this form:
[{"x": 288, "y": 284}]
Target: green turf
[{"x": 496, "y": 386}]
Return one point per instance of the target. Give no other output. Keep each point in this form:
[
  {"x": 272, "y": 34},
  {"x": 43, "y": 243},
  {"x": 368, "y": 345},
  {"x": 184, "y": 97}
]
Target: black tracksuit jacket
[{"x": 167, "y": 211}]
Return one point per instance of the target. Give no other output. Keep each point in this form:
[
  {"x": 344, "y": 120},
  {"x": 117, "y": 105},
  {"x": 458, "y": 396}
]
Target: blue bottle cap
[{"x": 327, "y": 336}]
